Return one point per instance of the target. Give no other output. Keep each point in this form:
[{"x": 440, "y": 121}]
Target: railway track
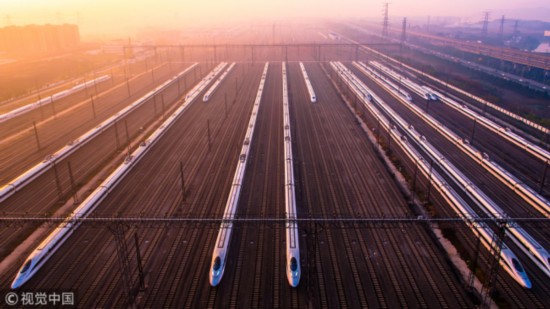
[
  {"x": 22, "y": 145},
  {"x": 501, "y": 277},
  {"x": 262, "y": 196},
  {"x": 56, "y": 185},
  {"x": 115, "y": 70},
  {"x": 509, "y": 155},
  {"x": 344, "y": 196},
  {"x": 201, "y": 207},
  {"x": 510, "y": 202},
  {"x": 213, "y": 195},
  {"x": 132, "y": 198},
  {"x": 473, "y": 99},
  {"x": 337, "y": 175},
  {"x": 353, "y": 193}
]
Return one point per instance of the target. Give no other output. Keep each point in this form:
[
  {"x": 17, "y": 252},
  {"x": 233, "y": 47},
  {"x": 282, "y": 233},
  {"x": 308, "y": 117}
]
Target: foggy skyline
[{"x": 97, "y": 18}]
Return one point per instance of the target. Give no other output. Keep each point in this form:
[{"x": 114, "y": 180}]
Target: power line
[{"x": 10, "y": 220}]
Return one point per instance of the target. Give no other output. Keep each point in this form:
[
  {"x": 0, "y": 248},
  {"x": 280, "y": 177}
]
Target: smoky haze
[{"x": 111, "y": 18}]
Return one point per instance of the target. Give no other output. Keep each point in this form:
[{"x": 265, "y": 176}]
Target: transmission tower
[
  {"x": 404, "y": 30},
  {"x": 8, "y": 20},
  {"x": 385, "y": 22},
  {"x": 516, "y": 28},
  {"x": 485, "y": 24},
  {"x": 494, "y": 263},
  {"x": 501, "y": 30},
  {"x": 273, "y": 33},
  {"x": 428, "y": 26}
]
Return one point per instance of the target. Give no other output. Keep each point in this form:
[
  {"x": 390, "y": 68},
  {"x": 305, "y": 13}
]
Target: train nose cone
[
  {"x": 23, "y": 275},
  {"x": 18, "y": 282},
  {"x": 293, "y": 274},
  {"x": 217, "y": 272},
  {"x": 527, "y": 283},
  {"x": 294, "y": 278},
  {"x": 214, "y": 279}
]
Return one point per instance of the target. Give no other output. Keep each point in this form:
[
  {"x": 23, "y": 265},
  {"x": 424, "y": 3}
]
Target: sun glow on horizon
[{"x": 115, "y": 17}]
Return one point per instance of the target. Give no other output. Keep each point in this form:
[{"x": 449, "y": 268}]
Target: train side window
[
  {"x": 517, "y": 265},
  {"x": 217, "y": 263},
  {"x": 293, "y": 264},
  {"x": 26, "y": 266}
]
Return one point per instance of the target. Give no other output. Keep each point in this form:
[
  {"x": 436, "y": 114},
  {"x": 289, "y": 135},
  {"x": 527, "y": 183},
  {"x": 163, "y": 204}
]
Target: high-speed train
[
  {"x": 310, "y": 90},
  {"x": 540, "y": 203},
  {"x": 219, "y": 254},
  {"x": 214, "y": 86},
  {"x": 64, "y": 230},
  {"x": 50, "y": 99},
  {"x": 41, "y": 254},
  {"x": 293, "y": 269},
  {"x": 508, "y": 260}
]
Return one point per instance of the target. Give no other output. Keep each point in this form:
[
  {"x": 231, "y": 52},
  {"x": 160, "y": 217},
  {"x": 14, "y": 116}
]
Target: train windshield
[
  {"x": 293, "y": 264},
  {"x": 517, "y": 265},
  {"x": 26, "y": 266},
  {"x": 217, "y": 263}
]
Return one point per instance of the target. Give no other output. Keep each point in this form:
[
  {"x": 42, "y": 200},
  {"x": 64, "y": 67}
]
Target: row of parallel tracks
[
  {"x": 500, "y": 193},
  {"x": 47, "y": 192},
  {"x": 118, "y": 70},
  {"x": 207, "y": 180},
  {"x": 519, "y": 162},
  {"x": 341, "y": 176},
  {"x": 20, "y": 151},
  {"x": 337, "y": 173},
  {"x": 213, "y": 184},
  {"x": 525, "y": 166},
  {"x": 509, "y": 201},
  {"x": 542, "y": 138},
  {"x": 173, "y": 254},
  {"x": 258, "y": 250}
]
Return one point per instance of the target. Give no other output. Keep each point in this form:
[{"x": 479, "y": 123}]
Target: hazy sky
[{"x": 120, "y": 16}]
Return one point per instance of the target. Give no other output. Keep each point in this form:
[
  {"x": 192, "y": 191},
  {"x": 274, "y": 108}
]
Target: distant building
[
  {"x": 33, "y": 39},
  {"x": 544, "y": 46}
]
